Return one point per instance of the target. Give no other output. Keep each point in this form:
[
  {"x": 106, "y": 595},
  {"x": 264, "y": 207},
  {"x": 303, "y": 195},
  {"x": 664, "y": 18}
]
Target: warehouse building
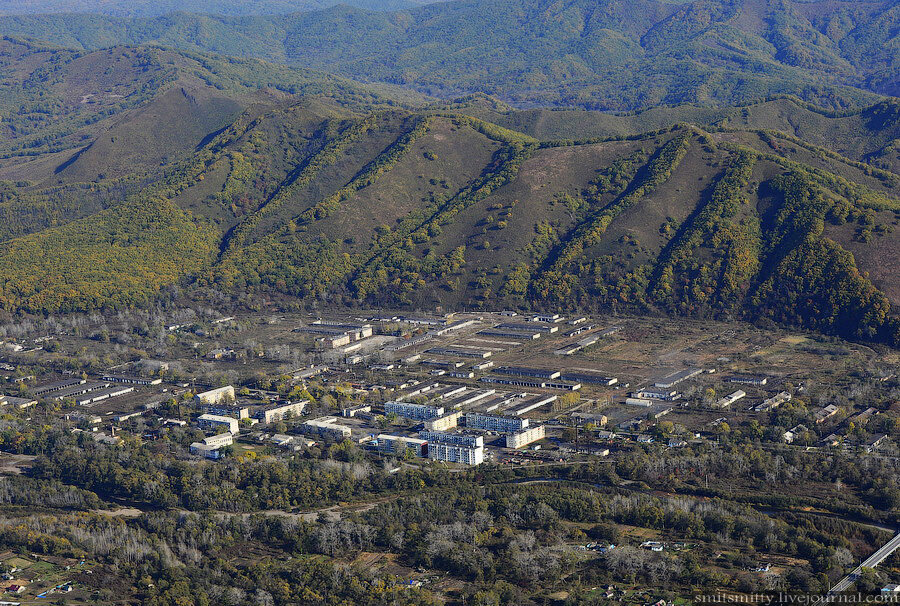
[
  {"x": 521, "y": 371},
  {"x": 729, "y": 399}
]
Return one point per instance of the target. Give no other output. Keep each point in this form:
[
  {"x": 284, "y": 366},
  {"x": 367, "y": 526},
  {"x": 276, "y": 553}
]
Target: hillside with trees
[
  {"x": 611, "y": 55},
  {"x": 777, "y": 211}
]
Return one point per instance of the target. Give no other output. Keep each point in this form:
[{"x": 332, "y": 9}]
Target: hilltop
[{"x": 610, "y": 55}]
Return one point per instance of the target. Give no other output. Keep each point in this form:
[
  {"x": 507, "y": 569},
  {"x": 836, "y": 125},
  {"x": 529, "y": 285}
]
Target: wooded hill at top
[
  {"x": 598, "y": 54},
  {"x": 130, "y": 171}
]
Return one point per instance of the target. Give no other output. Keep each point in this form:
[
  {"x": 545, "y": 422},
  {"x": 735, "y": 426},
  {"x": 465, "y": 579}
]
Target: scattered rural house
[
  {"x": 832, "y": 440},
  {"x": 281, "y": 440},
  {"x": 20, "y": 403},
  {"x": 875, "y": 443},
  {"x": 826, "y": 413},
  {"x": 792, "y": 434},
  {"x": 221, "y": 354}
]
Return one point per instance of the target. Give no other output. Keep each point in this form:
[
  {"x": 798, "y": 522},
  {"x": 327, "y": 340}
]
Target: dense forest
[{"x": 507, "y": 534}]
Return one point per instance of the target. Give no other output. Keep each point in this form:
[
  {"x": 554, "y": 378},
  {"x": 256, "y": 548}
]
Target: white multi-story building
[
  {"x": 397, "y": 444},
  {"x": 525, "y": 436},
  {"x": 214, "y": 422},
  {"x": 477, "y": 420},
  {"x": 452, "y": 453},
  {"x": 216, "y": 396},
  {"x": 444, "y": 422},
  {"x": 279, "y": 412},
  {"x": 420, "y": 412},
  {"x": 326, "y": 427},
  {"x": 220, "y": 440},
  {"x": 454, "y": 448}
]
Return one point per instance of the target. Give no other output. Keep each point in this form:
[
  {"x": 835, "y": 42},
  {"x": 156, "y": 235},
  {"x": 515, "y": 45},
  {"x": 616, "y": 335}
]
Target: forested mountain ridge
[
  {"x": 55, "y": 99},
  {"x": 405, "y": 207},
  {"x": 150, "y": 8},
  {"x": 603, "y": 55}
]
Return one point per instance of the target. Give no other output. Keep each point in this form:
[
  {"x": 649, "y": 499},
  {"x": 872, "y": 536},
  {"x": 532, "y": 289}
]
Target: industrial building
[
  {"x": 459, "y": 325},
  {"x": 510, "y": 334},
  {"x": 459, "y": 351},
  {"x": 131, "y": 380},
  {"x": 729, "y": 399},
  {"x": 17, "y": 402},
  {"x": 748, "y": 380},
  {"x": 515, "y": 382},
  {"x": 522, "y": 371},
  {"x": 531, "y": 327},
  {"x": 92, "y": 397},
  {"x": 525, "y": 405},
  {"x": 667, "y": 395},
  {"x": 587, "y": 377},
  {"x": 40, "y": 390},
  {"x": 677, "y": 377}
]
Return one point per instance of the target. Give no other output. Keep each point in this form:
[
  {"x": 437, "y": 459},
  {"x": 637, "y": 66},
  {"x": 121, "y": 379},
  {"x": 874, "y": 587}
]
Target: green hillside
[
  {"x": 54, "y": 100},
  {"x": 422, "y": 208},
  {"x": 609, "y": 54}
]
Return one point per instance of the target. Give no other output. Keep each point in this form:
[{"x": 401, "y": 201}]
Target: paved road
[{"x": 871, "y": 562}]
